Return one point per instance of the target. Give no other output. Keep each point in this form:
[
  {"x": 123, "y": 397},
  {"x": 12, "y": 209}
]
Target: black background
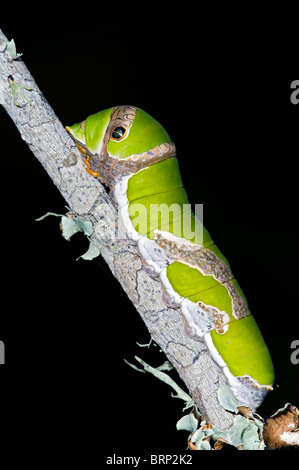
[{"x": 224, "y": 97}]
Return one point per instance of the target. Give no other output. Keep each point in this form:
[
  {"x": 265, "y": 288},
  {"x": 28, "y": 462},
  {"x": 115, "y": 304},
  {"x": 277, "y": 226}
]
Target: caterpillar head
[{"x": 120, "y": 141}]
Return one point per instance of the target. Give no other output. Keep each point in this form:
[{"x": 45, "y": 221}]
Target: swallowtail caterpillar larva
[{"x": 134, "y": 156}]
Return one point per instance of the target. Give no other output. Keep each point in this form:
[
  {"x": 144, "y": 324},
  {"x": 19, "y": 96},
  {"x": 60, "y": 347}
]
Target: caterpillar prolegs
[{"x": 133, "y": 155}]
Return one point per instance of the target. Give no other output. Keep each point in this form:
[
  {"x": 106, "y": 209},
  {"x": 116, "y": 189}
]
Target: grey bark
[{"x": 40, "y": 128}]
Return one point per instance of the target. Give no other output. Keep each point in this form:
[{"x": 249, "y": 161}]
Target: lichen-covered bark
[{"x": 40, "y": 128}]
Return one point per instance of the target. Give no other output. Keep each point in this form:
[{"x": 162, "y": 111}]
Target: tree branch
[{"x": 40, "y": 128}]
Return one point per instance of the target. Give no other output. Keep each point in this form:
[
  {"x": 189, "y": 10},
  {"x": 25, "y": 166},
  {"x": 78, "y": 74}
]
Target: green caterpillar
[{"x": 133, "y": 155}]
